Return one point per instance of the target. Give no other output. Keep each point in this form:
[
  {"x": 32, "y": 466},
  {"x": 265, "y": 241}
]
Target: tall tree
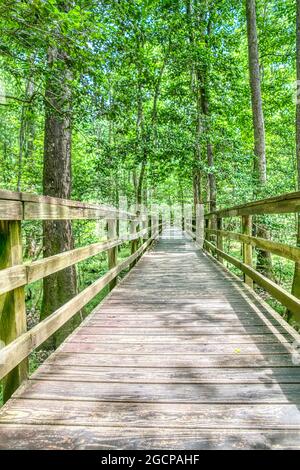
[
  {"x": 57, "y": 178},
  {"x": 212, "y": 187},
  {"x": 260, "y": 166},
  {"x": 196, "y": 88},
  {"x": 264, "y": 260},
  {"x": 296, "y": 280}
]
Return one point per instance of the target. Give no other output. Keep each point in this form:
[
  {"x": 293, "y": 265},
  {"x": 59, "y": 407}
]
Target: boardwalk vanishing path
[{"x": 180, "y": 355}]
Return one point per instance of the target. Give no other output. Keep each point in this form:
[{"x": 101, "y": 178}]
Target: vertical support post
[
  {"x": 134, "y": 243},
  {"x": 154, "y": 225},
  {"x": 219, "y": 238},
  {"x": 193, "y": 224},
  {"x": 160, "y": 221},
  {"x": 200, "y": 225},
  {"x": 145, "y": 226},
  {"x": 12, "y": 304},
  {"x": 209, "y": 226},
  {"x": 112, "y": 252},
  {"x": 149, "y": 232},
  {"x": 247, "y": 248}
]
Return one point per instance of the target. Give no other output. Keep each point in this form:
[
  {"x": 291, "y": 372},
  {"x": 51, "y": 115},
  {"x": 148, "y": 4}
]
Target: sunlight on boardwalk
[{"x": 180, "y": 355}]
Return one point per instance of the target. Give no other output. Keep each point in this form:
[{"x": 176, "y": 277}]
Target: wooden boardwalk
[{"x": 180, "y": 355}]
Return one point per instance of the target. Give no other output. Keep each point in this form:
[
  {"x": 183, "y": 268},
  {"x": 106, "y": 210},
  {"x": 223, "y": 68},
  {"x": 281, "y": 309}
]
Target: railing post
[
  {"x": 112, "y": 252},
  {"x": 193, "y": 223},
  {"x": 12, "y": 304},
  {"x": 208, "y": 226},
  {"x": 145, "y": 226},
  {"x": 160, "y": 220},
  {"x": 219, "y": 237},
  {"x": 149, "y": 232},
  {"x": 200, "y": 225},
  {"x": 134, "y": 243},
  {"x": 205, "y": 228},
  {"x": 247, "y": 248},
  {"x": 152, "y": 225}
]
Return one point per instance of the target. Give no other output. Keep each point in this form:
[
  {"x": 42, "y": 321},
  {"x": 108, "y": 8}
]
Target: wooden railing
[
  {"x": 284, "y": 204},
  {"x": 15, "y": 275}
]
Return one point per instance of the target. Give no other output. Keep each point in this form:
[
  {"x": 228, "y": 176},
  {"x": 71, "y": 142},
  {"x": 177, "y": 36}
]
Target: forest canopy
[{"x": 157, "y": 94}]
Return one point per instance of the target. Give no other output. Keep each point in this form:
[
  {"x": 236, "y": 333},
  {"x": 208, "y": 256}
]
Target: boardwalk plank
[
  {"x": 170, "y": 375},
  {"x": 55, "y": 437},
  {"x": 179, "y": 348},
  {"x": 152, "y": 415},
  {"x": 162, "y": 393},
  {"x": 174, "y": 361}
]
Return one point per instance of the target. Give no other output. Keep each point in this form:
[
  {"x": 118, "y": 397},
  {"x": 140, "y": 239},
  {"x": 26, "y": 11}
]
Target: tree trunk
[
  {"x": 256, "y": 99},
  {"x": 61, "y": 286},
  {"x": 212, "y": 187},
  {"x": 197, "y": 183},
  {"x": 264, "y": 260},
  {"x": 139, "y": 190},
  {"x": 196, "y": 86},
  {"x": 296, "y": 280}
]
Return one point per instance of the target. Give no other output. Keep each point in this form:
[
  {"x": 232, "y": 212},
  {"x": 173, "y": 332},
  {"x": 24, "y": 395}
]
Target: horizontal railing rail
[
  {"x": 23, "y": 274},
  {"x": 215, "y": 235},
  {"x": 285, "y": 203},
  {"x": 21, "y": 347},
  {"x": 25, "y": 206},
  {"x": 15, "y": 275}
]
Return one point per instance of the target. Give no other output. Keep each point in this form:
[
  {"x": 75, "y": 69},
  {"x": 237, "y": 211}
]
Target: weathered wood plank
[
  {"x": 36, "y": 437},
  {"x": 12, "y": 304},
  {"x": 140, "y": 346},
  {"x": 11, "y": 278},
  {"x": 154, "y": 415},
  {"x": 161, "y": 393},
  {"x": 35, "y": 205},
  {"x": 171, "y": 359},
  {"x": 173, "y": 329},
  {"x": 44, "y": 211},
  {"x": 11, "y": 210},
  {"x": 219, "y": 340},
  {"x": 170, "y": 375},
  {"x": 157, "y": 321}
]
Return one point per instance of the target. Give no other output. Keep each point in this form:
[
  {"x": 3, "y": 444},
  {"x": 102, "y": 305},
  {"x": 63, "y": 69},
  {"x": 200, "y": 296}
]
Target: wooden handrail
[
  {"x": 14, "y": 275},
  {"x": 279, "y": 249},
  {"x": 21, "y": 347},
  {"x": 286, "y": 203},
  {"x": 26, "y": 206},
  {"x": 21, "y": 275},
  {"x": 284, "y": 297}
]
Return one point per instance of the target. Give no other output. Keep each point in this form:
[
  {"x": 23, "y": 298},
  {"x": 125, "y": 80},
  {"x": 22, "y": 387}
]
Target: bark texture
[
  {"x": 260, "y": 167},
  {"x": 264, "y": 260},
  {"x": 296, "y": 280},
  {"x": 61, "y": 286}
]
